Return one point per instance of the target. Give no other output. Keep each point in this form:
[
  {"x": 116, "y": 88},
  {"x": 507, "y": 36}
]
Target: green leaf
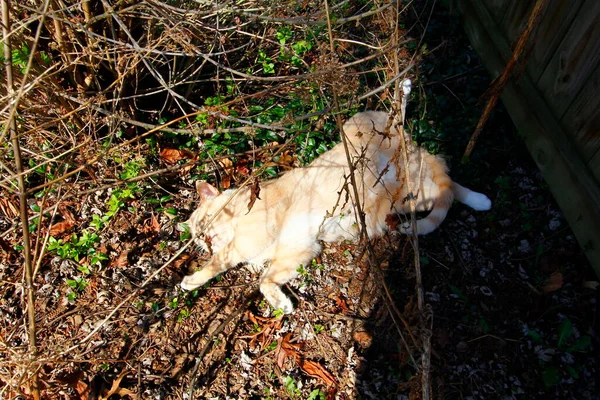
[
  {"x": 301, "y": 46},
  {"x": 290, "y": 385},
  {"x": 45, "y": 57},
  {"x": 572, "y": 372},
  {"x": 564, "y": 332},
  {"x": 183, "y": 236},
  {"x": 271, "y": 171},
  {"x": 581, "y": 344},
  {"x": 316, "y": 394},
  {"x": 458, "y": 293},
  {"x": 269, "y": 68},
  {"x": 284, "y": 34},
  {"x": 84, "y": 269},
  {"x": 484, "y": 325},
  {"x": 534, "y": 336},
  {"x": 97, "y": 258},
  {"x": 422, "y": 126},
  {"x": 550, "y": 377},
  {"x": 173, "y": 303},
  {"x": 322, "y": 148}
]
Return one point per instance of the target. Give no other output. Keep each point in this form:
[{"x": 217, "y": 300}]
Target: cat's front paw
[
  {"x": 276, "y": 298},
  {"x": 193, "y": 281},
  {"x": 285, "y": 305}
]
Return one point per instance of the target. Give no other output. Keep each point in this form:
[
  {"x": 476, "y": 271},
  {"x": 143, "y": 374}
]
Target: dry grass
[{"x": 96, "y": 92}]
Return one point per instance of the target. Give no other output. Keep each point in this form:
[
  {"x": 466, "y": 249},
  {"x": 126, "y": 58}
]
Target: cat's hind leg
[{"x": 283, "y": 268}]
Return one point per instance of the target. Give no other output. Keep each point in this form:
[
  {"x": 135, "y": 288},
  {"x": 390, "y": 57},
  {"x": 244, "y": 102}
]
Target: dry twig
[{"x": 497, "y": 86}]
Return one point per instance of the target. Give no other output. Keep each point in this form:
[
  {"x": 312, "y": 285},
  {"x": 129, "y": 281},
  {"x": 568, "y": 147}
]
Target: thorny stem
[
  {"x": 12, "y": 128},
  {"x": 360, "y": 212},
  {"x": 425, "y": 315},
  {"x": 498, "y": 85}
]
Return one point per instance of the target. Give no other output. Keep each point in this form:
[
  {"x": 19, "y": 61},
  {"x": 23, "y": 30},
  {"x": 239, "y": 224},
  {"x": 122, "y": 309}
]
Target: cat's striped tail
[{"x": 442, "y": 202}]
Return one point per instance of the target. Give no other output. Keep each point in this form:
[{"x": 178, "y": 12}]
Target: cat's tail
[
  {"x": 477, "y": 201},
  {"x": 442, "y": 202}
]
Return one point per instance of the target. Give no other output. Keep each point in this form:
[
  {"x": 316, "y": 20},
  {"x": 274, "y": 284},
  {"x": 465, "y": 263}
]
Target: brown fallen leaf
[
  {"x": 151, "y": 225},
  {"x": 241, "y": 167},
  {"x": 316, "y": 370},
  {"x": 8, "y": 208},
  {"x": 554, "y": 283},
  {"x": 5, "y": 247},
  {"x": 61, "y": 227},
  {"x": 287, "y": 160},
  {"x": 117, "y": 389},
  {"x": 225, "y": 182},
  {"x": 266, "y": 328},
  {"x": 226, "y": 173},
  {"x": 254, "y": 194},
  {"x": 65, "y": 213},
  {"x": 182, "y": 260},
  {"x": 392, "y": 222},
  {"x": 342, "y": 304},
  {"x": 364, "y": 339},
  {"x": 121, "y": 261},
  {"x": 171, "y": 156},
  {"x": 75, "y": 380},
  {"x": 286, "y": 350}
]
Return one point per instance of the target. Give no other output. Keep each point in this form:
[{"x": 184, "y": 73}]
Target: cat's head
[{"x": 206, "y": 216}]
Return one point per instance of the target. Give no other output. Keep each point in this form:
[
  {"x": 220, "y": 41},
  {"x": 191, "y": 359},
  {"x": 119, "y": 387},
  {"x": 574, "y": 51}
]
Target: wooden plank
[
  {"x": 515, "y": 19},
  {"x": 594, "y": 166},
  {"x": 570, "y": 181},
  {"x": 582, "y": 119},
  {"x": 574, "y": 59},
  {"x": 553, "y": 25},
  {"x": 492, "y": 24},
  {"x": 496, "y": 8}
]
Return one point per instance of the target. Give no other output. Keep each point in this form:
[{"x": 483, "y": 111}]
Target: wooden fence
[{"x": 555, "y": 101}]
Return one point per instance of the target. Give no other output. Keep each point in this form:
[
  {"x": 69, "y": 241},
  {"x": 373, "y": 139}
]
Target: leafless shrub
[{"x": 92, "y": 80}]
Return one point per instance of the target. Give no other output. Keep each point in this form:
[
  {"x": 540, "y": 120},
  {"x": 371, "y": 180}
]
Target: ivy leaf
[
  {"x": 534, "y": 336},
  {"x": 564, "y": 332},
  {"x": 458, "y": 293},
  {"x": 581, "y": 344},
  {"x": 550, "y": 377}
]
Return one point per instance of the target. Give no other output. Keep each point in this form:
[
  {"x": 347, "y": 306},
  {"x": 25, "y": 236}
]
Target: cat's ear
[{"x": 206, "y": 190}]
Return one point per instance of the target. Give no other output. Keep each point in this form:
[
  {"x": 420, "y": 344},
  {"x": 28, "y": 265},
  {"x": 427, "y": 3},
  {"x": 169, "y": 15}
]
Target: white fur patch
[{"x": 478, "y": 201}]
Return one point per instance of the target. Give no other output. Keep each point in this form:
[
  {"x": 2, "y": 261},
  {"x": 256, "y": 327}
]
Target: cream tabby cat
[{"x": 308, "y": 205}]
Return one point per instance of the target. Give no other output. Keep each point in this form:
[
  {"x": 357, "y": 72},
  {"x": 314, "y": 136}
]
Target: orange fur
[{"x": 307, "y": 205}]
